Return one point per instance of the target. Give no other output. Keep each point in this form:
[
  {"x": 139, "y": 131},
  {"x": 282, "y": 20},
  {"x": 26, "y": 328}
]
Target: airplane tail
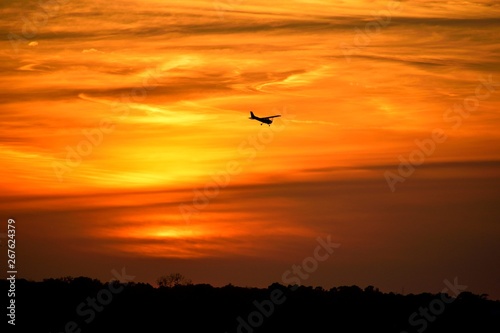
[{"x": 252, "y": 116}]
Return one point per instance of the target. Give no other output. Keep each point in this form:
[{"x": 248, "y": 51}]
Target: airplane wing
[{"x": 272, "y": 116}]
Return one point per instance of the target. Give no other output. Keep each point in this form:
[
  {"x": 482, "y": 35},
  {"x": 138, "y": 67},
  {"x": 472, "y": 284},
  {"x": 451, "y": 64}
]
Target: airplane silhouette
[{"x": 264, "y": 120}]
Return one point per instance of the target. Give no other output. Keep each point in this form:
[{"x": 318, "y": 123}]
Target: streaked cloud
[{"x": 153, "y": 98}]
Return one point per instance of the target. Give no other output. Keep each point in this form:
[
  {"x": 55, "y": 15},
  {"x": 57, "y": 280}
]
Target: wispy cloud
[{"x": 323, "y": 174}]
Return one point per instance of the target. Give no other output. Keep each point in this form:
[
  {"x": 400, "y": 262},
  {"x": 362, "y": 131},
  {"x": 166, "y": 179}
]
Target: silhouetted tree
[
  {"x": 172, "y": 280},
  {"x": 89, "y": 305}
]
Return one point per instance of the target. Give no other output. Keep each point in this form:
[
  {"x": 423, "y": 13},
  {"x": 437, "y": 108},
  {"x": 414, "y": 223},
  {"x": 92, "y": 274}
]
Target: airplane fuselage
[{"x": 264, "y": 120}]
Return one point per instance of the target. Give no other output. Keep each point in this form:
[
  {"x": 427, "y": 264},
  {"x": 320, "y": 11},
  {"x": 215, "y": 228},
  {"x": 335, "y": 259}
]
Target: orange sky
[{"x": 116, "y": 117}]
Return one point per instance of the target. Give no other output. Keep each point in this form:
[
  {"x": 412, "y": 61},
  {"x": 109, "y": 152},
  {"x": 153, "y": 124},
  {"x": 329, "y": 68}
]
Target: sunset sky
[{"x": 125, "y": 140}]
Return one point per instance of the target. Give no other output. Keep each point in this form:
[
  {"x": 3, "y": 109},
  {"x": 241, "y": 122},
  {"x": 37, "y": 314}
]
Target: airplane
[{"x": 264, "y": 120}]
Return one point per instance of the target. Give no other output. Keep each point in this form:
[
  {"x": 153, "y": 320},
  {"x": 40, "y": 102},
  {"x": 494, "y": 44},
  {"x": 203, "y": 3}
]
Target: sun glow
[{"x": 121, "y": 121}]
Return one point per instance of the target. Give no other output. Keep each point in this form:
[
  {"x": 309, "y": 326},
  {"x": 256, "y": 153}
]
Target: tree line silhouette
[{"x": 82, "y": 304}]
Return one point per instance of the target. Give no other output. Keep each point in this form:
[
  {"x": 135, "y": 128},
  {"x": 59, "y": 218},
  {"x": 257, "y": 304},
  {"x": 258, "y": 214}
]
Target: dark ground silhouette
[{"x": 87, "y": 305}]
